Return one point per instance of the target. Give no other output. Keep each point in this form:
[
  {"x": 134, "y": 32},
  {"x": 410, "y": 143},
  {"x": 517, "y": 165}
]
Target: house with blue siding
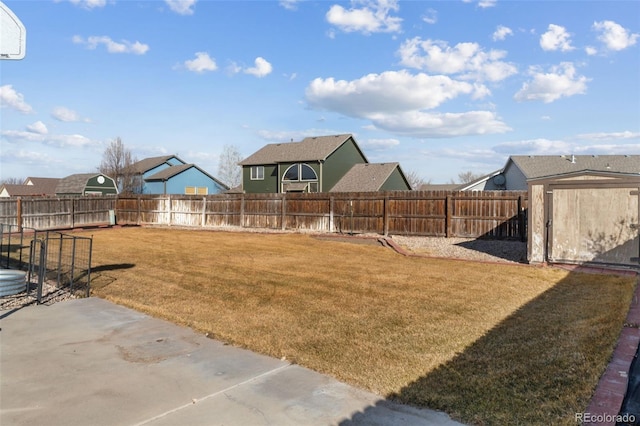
[{"x": 171, "y": 175}]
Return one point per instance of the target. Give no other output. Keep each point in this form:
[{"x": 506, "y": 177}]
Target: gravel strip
[
  {"x": 50, "y": 294},
  {"x": 466, "y": 248}
]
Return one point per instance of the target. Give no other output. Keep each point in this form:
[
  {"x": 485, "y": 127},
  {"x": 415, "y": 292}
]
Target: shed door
[{"x": 594, "y": 224}]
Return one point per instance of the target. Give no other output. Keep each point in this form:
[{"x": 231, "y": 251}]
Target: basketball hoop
[{"x": 13, "y": 35}]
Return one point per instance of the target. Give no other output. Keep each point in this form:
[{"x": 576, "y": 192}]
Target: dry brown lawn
[{"x": 487, "y": 343}]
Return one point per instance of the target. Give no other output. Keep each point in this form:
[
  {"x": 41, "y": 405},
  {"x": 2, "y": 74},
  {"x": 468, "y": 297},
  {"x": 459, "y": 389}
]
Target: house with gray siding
[
  {"x": 520, "y": 169},
  {"x": 317, "y": 164}
]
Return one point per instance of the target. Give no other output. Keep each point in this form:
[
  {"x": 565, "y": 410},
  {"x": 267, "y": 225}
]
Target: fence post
[
  {"x": 73, "y": 213},
  {"x": 385, "y": 214},
  {"x": 169, "y": 209},
  {"x": 448, "y": 206},
  {"x": 331, "y": 205},
  {"x": 283, "y": 211},
  {"x": 19, "y": 213},
  {"x": 242, "y": 210},
  {"x": 204, "y": 211},
  {"x": 521, "y": 219}
]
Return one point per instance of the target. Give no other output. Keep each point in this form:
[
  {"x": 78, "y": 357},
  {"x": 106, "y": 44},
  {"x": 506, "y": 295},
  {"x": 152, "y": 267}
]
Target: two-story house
[{"x": 318, "y": 164}]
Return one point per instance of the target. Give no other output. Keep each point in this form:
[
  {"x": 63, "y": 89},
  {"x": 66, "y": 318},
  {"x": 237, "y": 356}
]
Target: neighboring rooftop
[
  {"x": 538, "y": 166},
  {"x": 44, "y": 184},
  {"x": 309, "y": 149},
  {"x": 365, "y": 177},
  {"x": 74, "y": 184},
  {"x": 144, "y": 165}
]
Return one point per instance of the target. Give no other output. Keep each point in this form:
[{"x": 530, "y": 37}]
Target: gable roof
[
  {"x": 172, "y": 171},
  {"x": 538, "y": 166},
  {"x": 481, "y": 180},
  {"x": 44, "y": 185},
  {"x": 146, "y": 164},
  {"x": 365, "y": 177},
  {"x": 16, "y": 190},
  {"x": 316, "y": 148}
]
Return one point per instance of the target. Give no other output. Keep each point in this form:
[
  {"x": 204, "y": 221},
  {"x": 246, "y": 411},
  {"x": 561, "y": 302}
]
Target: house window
[
  {"x": 257, "y": 172},
  {"x": 300, "y": 177},
  {"x": 196, "y": 190}
]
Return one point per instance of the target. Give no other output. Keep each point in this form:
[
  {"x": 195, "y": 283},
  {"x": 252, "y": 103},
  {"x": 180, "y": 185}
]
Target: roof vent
[{"x": 573, "y": 159}]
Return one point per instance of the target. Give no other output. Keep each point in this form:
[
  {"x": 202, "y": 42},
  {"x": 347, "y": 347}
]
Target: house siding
[
  {"x": 395, "y": 182},
  {"x": 177, "y": 184},
  {"x": 269, "y": 184},
  {"x": 158, "y": 187},
  {"x": 515, "y": 179},
  {"x": 108, "y": 187},
  {"x": 339, "y": 163}
]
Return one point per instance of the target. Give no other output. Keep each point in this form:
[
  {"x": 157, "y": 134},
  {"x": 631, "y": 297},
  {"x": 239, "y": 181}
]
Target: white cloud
[
  {"x": 501, "y": 33},
  {"x": 295, "y": 136},
  {"x": 579, "y": 145},
  {"x": 372, "y": 17},
  {"x": 487, "y": 3},
  {"x": 261, "y": 68},
  {"x": 614, "y": 35},
  {"x": 9, "y": 98},
  {"x": 556, "y": 38},
  {"x": 181, "y": 7},
  {"x": 380, "y": 144},
  {"x": 289, "y": 4},
  {"x": 561, "y": 81},
  {"x": 62, "y": 141},
  {"x": 610, "y": 136},
  {"x": 430, "y": 16},
  {"x": 468, "y": 60},
  {"x": 389, "y": 92},
  {"x": 66, "y": 115},
  {"x": 590, "y": 50},
  {"x": 124, "y": 46},
  {"x": 396, "y": 101},
  {"x": 539, "y": 146},
  {"x": 233, "y": 68},
  {"x": 203, "y": 62},
  {"x": 38, "y": 127},
  {"x": 440, "y": 125},
  {"x": 89, "y": 4}
]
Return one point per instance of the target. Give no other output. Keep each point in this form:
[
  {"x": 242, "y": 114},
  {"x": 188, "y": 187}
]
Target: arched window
[
  {"x": 300, "y": 177},
  {"x": 299, "y": 172}
]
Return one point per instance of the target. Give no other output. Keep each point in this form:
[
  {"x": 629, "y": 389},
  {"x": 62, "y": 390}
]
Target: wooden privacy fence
[
  {"x": 494, "y": 214},
  {"x": 44, "y": 213}
]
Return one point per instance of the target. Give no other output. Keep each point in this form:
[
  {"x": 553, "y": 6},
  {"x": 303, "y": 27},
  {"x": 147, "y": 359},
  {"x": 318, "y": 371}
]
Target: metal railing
[{"x": 58, "y": 259}]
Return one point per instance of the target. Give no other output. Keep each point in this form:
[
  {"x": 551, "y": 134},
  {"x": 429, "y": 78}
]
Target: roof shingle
[
  {"x": 539, "y": 166},
  {"x": 309, "y": 149},
  {"x": 365, "y": 177}
]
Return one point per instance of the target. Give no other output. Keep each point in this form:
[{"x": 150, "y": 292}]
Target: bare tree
[
  {"x": 12, "y": 181},
  {"x": 117, "y": 163},
  {"x": 229, "y": 171},
  {"x": 415, "y": 180},
  {"x": 468, "y": 176}
]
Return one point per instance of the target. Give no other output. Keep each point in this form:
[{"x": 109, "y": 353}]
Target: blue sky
[{"x": 441, "y": 87}]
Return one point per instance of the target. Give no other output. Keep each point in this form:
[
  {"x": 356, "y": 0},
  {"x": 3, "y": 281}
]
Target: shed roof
[
  {"x": 365, "y": 177},
  {"x": 316, "y": 148},
  {"x": 538, "y": 166},
  {"x": 74, "y": 184}
]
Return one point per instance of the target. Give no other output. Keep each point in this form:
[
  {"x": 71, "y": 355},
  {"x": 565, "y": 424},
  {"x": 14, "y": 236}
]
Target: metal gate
[{"x": 591, "y": 221}]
